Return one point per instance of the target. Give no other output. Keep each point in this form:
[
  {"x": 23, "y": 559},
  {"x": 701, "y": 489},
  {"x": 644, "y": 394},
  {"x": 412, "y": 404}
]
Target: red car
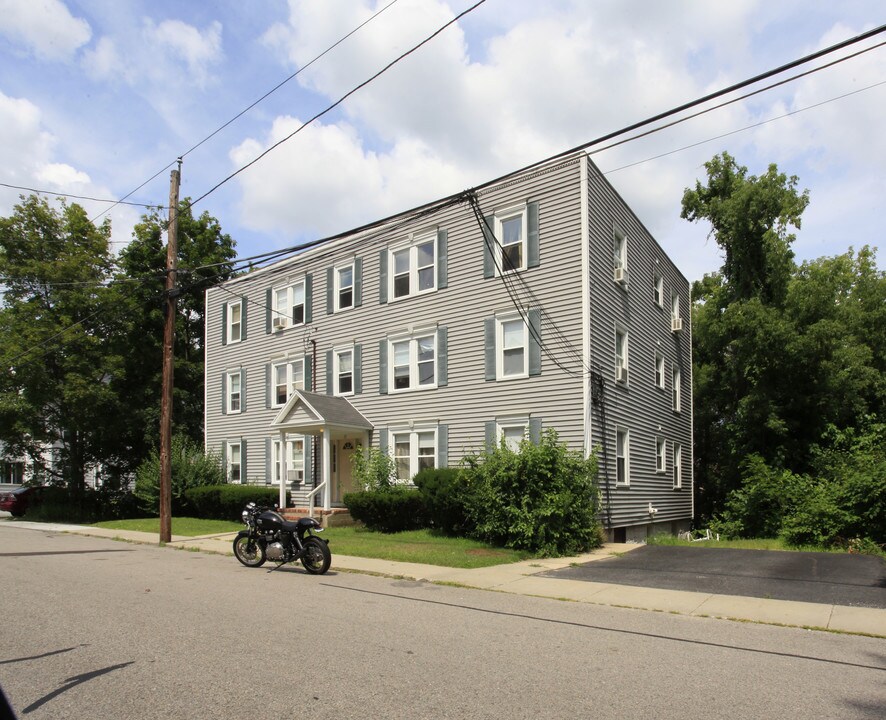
[{"x": 17, "y": 501}]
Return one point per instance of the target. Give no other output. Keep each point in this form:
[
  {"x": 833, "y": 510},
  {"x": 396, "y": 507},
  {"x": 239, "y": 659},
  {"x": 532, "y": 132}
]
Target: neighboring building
[
  {"x": 428, "y": 337},
  {"x": 16, "y": 470}
]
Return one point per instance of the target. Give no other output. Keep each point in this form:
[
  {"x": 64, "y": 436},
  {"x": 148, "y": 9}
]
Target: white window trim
[
  {"x": 229, "y": 392},
  {"x": 661, "y": 456},
  {"x": 678, "y": 466},
  {"x": 659, "y": 371},
  {"x": 500, "y": 321},
  {"x": 229, "y": 330},
  {"x": 412, "y": 339},
  {"x": 627, "y": 456},
  {"x": 501, "y": 424},
  {"x": 677, "y": 394},
  {"x": 619, "y": 249},
  {"x": 336, "y": 370},
  {"x": 413, "y": 433},
  {"x": 291, "y": 466},
  {"x": 337, "y": 307},
  {"x": 288, "y": 363},
  {"x": 675, "y": 306},
  {"x": 658, "y": 288},
  {"x": 229, "y": 457},
  {"x": 286, "y": 314},
  {"x": 498, "y": 222},
  {"x": 622, "y": 363},
  {"x": 428, "y": 236}
]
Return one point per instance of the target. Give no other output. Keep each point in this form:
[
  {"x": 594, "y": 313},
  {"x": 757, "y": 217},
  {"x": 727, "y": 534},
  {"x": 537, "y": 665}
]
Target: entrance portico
[{"x": 334, "y": 420}]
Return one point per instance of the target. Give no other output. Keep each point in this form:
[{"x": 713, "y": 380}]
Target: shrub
[
  {"x": 374, "y": 469},
  {"x": 543, "y": 499},
  {"x": 390, "y": 509},
  {"x": 57, "y": 504},
  {"x": 443, "y": 494},
  {"x": 226, "y": 502},
  {"x": 191, "y": 467}
]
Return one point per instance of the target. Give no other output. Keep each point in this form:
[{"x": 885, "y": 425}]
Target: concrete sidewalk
[{"x": 522, "y": 578}]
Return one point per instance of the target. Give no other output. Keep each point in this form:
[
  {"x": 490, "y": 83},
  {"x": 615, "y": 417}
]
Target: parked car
[{"x": 18, "y": 501}]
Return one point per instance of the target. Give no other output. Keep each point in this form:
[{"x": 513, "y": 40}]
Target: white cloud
[
  {"x": 199, "y": 50},
  {"x": 46, "y": 28}
]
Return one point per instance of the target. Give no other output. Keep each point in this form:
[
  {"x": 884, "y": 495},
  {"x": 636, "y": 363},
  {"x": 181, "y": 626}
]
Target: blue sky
[{"x": 96, "y": 96}]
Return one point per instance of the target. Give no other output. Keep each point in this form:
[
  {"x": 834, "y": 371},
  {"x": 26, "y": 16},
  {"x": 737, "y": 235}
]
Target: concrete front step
[{"x": 334, "y": 517}]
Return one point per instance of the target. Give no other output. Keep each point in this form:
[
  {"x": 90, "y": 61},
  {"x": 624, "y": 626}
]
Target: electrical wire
[{"x": 79, "y": 197}]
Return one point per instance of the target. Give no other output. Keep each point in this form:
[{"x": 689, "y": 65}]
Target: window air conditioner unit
[
  {"x": 279, "y": 323},
  {"x": 676, "y": 324},
  {"x": 623, "y": 375},
  {"x": 619, "y": 275}
]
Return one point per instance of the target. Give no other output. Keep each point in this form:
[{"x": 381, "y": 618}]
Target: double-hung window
[
  {"x": 234, "y": 399},
  {"x": 510, "y": 230},
  {"x": 295, "y": 460},
  {"x": 413, "y": 450},
  {"x": 619, "y": 256},
  {"x": 234, "y": 462},
  {"x": 658, "y": 289},
  {"x": 414, "y": 267},
  {"x": 513, "y": 431},
  {"x": 676, "y": 322},
  {"x": 343, "y": 377},
  {"x": 344, "y": 287},
  {"x": 513, "y": 341},
  {"x": 234, "y": 322},
  {"x": 511, "y": 240},
  {"x": 622, "y": 457},
  {"x": 659, "y": 371},
  {"x": 678, "y": 466},
  {"x": 513, "y": 345},
  {"x": 414, "y": 362},
  {"x": 660, "y": 455},
  {"x": 676, "y": 379},
  {"x": 288, "y": 306},
  {"x": 621, "y": 355},
  {"x": 286, "y": 377}
]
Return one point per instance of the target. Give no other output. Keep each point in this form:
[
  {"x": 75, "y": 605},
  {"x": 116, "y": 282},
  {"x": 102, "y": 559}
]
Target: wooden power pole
[{"x": 168, "y": 357}]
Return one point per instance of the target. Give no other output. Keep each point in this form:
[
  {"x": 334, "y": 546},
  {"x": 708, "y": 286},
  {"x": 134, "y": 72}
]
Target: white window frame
[
  {"x": 659, "y": 371},
  {"x": 230, "y": 395},
  {"x": 675, "y": 307},
  {"x": 289, "y": 365},
  {"x": 413, "y": 361},
  {"x": 339, "y": 288},
  {"x": 500, "y": 322},
  {"x": 619, "y": 250},
  {"x": 661, "y": 455},
  {"x": 413, "y": 272},
  {"x": 658, "y": 288},
  {"x": 621, "y": 356},
  {"x": 230, "y": 324},
  {"x": 287, "y": 312},
  {"x": 293, "y": 465},
  {"x": 229, "y": 466},
  {"x": 678, "y": 466},
  {"x": 415, "y": 456},
  {"x": 676, "y": 395},
  {"x": 502, "y": 425},
  {"x": 337, "y": 355},
  {"x": 624, "y": 456},
  {"x": 501, "y": 217}
]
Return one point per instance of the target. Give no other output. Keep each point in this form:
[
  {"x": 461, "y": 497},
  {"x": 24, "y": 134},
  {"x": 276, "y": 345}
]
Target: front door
[{"x": 344, "y": 481}]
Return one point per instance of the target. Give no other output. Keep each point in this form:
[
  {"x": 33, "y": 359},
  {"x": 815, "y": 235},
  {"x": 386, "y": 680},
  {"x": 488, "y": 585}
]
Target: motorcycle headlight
[{"x": 244, "y": 515}]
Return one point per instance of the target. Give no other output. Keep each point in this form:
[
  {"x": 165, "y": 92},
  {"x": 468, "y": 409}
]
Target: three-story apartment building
[{"x": 536, "y": 301}]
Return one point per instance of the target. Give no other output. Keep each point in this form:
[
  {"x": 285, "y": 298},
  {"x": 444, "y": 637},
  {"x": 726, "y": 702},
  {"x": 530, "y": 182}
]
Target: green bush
[
  {"x": 57, "y": 504},
  {"x": 389, "y": 510},
  {"x": 443, "y": 493},
  {"x": 191, "y": 467},
  {"x": 226, "y": 502},
  {"x": 543, "y": 499},
  {"x": 374, "y": 469}
]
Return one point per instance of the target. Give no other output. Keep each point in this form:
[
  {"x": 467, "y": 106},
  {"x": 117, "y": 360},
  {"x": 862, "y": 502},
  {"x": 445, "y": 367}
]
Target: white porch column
[
  {"x": 327, "y": 469},
  {"x": 284, "y": 474}
]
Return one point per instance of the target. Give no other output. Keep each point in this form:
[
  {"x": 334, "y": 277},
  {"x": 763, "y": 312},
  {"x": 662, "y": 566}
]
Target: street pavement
[{"x": 561, "y": 578}]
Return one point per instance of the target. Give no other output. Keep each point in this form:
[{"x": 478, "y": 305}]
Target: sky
[{"x": 98, "y": 96}]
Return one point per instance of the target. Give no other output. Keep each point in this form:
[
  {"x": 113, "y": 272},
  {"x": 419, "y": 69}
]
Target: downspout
[{"x": 313, "y": 390}]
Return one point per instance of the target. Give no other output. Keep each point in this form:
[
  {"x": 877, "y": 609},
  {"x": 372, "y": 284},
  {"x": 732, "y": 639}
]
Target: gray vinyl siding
[{"x": 465, "y": 404}]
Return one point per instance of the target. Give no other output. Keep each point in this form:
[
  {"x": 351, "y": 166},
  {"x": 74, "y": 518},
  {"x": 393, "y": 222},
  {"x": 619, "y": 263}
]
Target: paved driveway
[{"x": 856, "y": 580}]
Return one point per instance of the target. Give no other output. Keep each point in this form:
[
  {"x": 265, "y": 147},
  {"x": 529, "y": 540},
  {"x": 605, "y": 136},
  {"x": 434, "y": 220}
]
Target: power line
[{"x": 77, "y": 197}]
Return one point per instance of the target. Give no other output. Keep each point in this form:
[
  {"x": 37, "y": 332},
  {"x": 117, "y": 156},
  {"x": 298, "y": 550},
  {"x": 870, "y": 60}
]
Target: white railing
[{"x": 311, "y": 496}]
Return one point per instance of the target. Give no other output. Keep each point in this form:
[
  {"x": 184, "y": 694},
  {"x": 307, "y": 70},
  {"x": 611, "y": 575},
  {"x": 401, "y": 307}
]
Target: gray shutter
[
  {"x": 442, "y": 446},
  {"x": 329, "y": 372},
  {"x": 242, "y": 390},
  {"x": 490, "y": 435},
  {"x": 269, "y": 393},
  {"x": 309, "y": 459},
  {"x": 383, "y": 439},
  {"x": 330, "y": 287},
  {"x": 243, "y": 305},
  {"x": 489, "y": 333},
  {"x": 442, "y": 356},
  {"x": 535, "y": 430},
  {"x": 269, "y": 309},
  {"x": 382, "y": 367},
  {"x": 534, "y": 341},
  {"x": 269, "y": 459},
  {"x": 358, "y": 369},
  {"x": 533, "y": 258},
  {"x": 224, "y": 323},
  {"x": 224, "y": 458},
  {"x": 309, "y": 373},
  {"x": 358, "y": 282},
  {"x": 488, "y": 242},
  {"x": 309, "y": 297},
  {"x": 243, "y": 477},
  {"x": 442, "y": 259},
  {"x": 383, "y": 276},
  {"x": 224, "y": 393}
]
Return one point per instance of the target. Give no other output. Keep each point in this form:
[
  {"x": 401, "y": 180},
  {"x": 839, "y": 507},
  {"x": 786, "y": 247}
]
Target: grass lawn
[
  {"x": 740, "y": 544},
  {"x": 188, "y": 527}
]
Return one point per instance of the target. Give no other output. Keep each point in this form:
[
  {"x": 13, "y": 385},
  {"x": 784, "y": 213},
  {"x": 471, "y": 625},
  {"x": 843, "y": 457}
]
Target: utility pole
[{"x": 168, "y": 340}]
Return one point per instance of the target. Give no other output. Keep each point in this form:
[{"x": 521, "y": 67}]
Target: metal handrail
[{"x": 311, "y": 496}]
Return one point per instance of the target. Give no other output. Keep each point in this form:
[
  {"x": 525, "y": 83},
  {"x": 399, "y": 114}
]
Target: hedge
[
  {"x": 389, "y": 510},
  {"x": 226, "y": 502}
]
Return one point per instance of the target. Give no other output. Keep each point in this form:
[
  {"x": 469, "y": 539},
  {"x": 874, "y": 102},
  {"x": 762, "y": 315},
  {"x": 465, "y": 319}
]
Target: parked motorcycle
[{"x": 268, "y": 536}]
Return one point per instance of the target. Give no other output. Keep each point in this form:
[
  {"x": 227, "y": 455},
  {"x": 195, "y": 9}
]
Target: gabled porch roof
[{"x": 310, "y": 414}]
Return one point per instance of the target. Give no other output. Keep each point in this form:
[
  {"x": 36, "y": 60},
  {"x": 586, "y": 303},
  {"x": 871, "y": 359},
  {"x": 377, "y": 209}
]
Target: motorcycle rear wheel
[
  {"x": 317, "y": 557},
  {"x": 249, "y": 552}
]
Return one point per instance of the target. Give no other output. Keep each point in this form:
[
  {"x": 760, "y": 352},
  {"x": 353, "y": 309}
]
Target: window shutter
[
  {"x": 269, "y": 309},
  {"x": 442, "y": 356},
  {"x": 309, "y": 297},
  {"x": 329, "y": 372},
  {"x": 242, "y": 390},
  {"x": 269, "y": 459},
  {"x": 224, "y": 323},
  {"x": 243, "y": 477},
  {"x": 533, "y": 258},
  {"x": 535, "y": 430},
  {"x": 224, "y": 457},
  {"x": 309, "y": 459},
  {"x": 309, "y": 373},
  {"x": 358, "y": 369},
  {"x": 488, "y": 243},
  {"x": 269, "y": 391},
  {"x": 382, "y": 367},
  {"x": 330, "y": 286},
  {"x": 358, "y": 282},
  {"x": 534, "y": 344},
  {"x": 491, "y": 433},
  {"x": 383, "y": 276},
  {"x": 489, "y": 332},
  {"x": 224, "y": 393},
  {"x": 383, "y": 439},
  {"x": 442, "y": 446},
  {"x": 442, "y": 259},
  {"x": 243, "y": 306}
]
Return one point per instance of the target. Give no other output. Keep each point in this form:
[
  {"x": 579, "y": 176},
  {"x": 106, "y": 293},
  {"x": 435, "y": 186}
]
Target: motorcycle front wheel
[
  {"x": 249, "y": 552},
  {"x": 317, "y": 557}
]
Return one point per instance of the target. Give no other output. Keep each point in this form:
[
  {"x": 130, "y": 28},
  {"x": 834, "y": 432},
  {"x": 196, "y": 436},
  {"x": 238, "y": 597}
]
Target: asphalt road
[{"x": 829, "y": 578}]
